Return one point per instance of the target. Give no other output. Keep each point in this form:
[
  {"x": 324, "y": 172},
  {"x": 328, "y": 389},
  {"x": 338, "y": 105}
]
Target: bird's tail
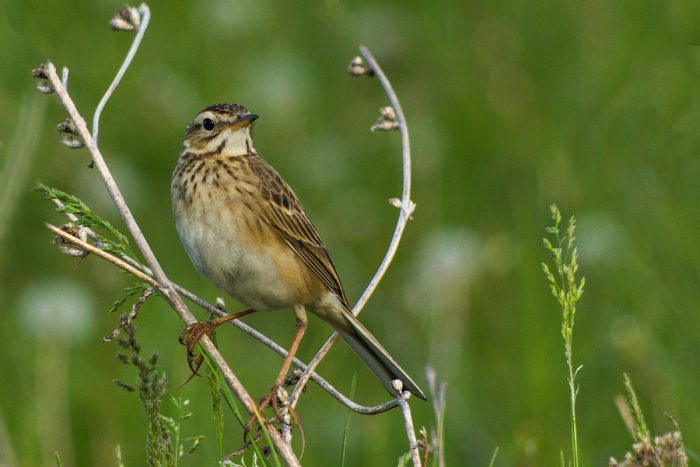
[{"x": 368, "y": 348}]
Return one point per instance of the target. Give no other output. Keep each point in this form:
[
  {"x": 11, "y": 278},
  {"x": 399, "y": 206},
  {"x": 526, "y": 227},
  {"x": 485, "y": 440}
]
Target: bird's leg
[
  {"x": 271, "y": 398},
  {"x": 194, "y": 332}
]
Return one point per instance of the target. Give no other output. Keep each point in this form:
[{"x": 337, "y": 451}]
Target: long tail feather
[{"x": 375, "y": 356}]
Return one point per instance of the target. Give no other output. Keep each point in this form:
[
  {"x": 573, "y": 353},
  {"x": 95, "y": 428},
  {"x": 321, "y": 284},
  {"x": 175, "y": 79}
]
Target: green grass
[
  {"x": 233, "y": 405},
  {"x": 346, "y": 426},
  {"x": 567, "y": 288}
]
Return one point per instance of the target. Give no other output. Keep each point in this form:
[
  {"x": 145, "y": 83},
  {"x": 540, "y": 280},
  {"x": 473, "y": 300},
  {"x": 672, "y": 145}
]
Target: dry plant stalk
[
  {"x": 76, "y": 133},
  {"x": 405, "y": 205},
  {"x": 48, "y": 72}
]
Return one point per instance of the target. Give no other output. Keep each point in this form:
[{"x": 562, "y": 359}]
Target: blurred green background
[{"x": 511, "y": 105}]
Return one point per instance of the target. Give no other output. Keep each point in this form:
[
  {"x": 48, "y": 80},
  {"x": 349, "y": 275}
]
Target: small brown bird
[{"x": 245, "y": 230}]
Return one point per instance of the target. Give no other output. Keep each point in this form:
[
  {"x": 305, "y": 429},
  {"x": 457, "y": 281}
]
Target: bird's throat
[{"x": 236, "y": 143}]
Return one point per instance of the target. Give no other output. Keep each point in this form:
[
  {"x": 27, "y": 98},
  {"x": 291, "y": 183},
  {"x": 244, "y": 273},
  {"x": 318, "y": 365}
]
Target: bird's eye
[{"x": 208, "y": 124}]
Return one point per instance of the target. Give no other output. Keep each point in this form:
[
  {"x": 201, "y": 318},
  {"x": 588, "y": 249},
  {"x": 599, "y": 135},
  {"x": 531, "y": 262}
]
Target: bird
[{"x": 245, "y": 230}]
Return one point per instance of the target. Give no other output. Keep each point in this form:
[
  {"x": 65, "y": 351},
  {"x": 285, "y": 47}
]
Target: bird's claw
[
  {"x": 277, "y": 400},
  {"x": 194, "y": 332},
  {"x": 190, "y": 336}
]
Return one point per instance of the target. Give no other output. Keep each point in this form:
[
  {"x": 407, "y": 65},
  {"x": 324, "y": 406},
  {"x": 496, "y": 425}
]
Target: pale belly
[{"x": 240, "y": 262}]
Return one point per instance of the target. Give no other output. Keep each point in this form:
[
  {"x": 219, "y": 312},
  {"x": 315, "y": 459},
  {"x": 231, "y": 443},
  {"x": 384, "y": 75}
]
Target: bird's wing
[{"x": 285, "y": 214}]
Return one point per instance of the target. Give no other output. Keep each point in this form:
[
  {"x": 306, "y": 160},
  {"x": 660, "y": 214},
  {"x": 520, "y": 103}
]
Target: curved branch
[
  {"x": 284, "y": 450},
  {"x": 406, "y": 209},
  {"x": 407, "y": 206},
  {"x": 145, "y": 13}
]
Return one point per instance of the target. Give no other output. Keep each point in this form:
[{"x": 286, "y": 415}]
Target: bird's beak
[
  {"x": 246, "y": 119},
  {"x": 242, "y": 121}
]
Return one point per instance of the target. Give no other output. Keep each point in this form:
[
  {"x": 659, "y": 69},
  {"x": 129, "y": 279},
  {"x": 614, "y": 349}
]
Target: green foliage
[
  {"x": 118, "y": 456},
  {"x": 404, "y": 460},
  {"x": 439, "y": 402},
  {"x": 567, "y": 289},
  {"x": 172, "y": 424},
  {"x": 151, "y": 387},
  {"x": 118, "y": 245},
  {"x": 640, "y": 432},
  {"x": 217, "y": 411},
  {"x": 164, "y": 446},
  {"x": 232, "y": 403},
  {"x": 493, "y": 457},
  {"x": 346, "y": 427},
  {"x": 130, "y": 291}
]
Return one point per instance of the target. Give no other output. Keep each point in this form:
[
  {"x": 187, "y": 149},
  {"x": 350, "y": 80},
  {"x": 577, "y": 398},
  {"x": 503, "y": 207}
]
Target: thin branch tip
[
  {"x": 64, "y": 77},
  {"x": 126, "y": 19}
]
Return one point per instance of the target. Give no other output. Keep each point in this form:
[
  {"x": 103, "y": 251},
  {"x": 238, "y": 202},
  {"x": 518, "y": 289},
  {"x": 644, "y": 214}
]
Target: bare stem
[
  {"x": 406, "y": 209},
  {"x": 164, "y": 284},
  {"x": 145, "y": 13},
  {"x": 439, "y": 407},
  {"x": 64, "y": 77},
  {"x": 407, "y": 206},
  {"x": 104, "y": 255},
  {"x": 408, "y": 423}
]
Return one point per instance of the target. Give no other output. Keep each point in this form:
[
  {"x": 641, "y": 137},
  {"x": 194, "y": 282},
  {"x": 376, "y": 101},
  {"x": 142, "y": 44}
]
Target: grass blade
[{"x": 346, "y": 428}]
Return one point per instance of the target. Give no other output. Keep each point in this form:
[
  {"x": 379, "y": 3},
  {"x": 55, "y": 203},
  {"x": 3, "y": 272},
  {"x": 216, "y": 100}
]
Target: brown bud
[
  {"x": 68, "y": 248},
  {"x": 41, "y": 79},
  {"x": 358, "y": 67},
  {"x": 69, "y": 134},
  {"x": 386, "y": 121},
  {"x": 126, "y": 19}
]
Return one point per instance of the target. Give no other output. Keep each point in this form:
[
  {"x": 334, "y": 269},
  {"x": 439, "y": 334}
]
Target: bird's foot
[
  {"x": 190, "y": 336},
  {"x": 194, "y": 332},
  {"x": 277, "y": 400}
]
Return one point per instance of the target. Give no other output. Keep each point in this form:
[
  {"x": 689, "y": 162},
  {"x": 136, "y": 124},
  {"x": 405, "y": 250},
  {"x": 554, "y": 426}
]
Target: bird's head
[{"x": 221, "y": 127}]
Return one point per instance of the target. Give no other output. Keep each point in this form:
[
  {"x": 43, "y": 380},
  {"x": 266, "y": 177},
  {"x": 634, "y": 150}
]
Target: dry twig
[
  {"x": 406, "y": 208},
  {"x": 164, "y": 285},
  {"x": 408, "y": 422},
  {"x": 154, "y": 275}
]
